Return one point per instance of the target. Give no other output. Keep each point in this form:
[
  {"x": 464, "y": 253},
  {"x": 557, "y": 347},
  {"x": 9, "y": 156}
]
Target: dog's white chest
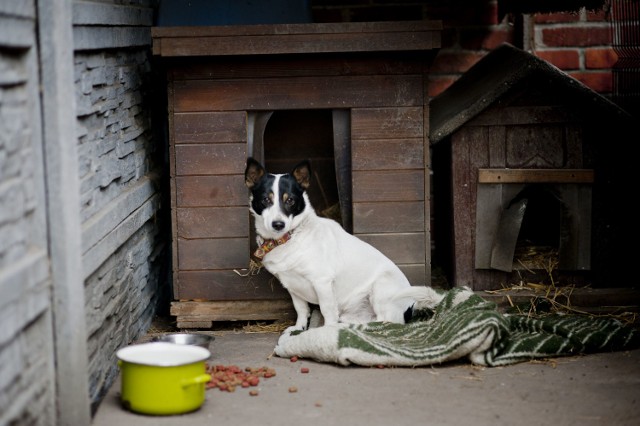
[{"x": 289, "y": 266}]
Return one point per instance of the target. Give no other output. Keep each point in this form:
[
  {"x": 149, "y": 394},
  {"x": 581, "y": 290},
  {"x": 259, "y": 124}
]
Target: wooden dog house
[
  {"x": 351, "y": 97},
  {"x": 527, "y": 159}
]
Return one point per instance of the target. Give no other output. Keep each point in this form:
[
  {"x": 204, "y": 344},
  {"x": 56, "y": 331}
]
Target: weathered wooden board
[
  {"x": 229, "y": 285},
  {"x": 210, "y": 159},
  {"x": 296, "y": 66},
  {"x": 388, "y": 185},
  {"x": 463, "y": 211},
  {"x": 213, "y": 222},
  {"x": 288, "y": 44},
  {"x": 535, "y": 146},
  {"x": 387, "y": 154},
  {"x": 400, "y": 248},
  {"x": 210, "y": 191},
  {"x": 201, "y": 314},
  {"x": 417, "y": 274},
  {"x": 297, "y": 93},
  {"x": 213, "y": 253},
  {"x": 397, "y": 216},
  {"x": 522, "y": 115},
  {"x": 535, "y": 176},
  {"x": 296, "y": 38},
  {"x": 389, "y": 123},
  {"x": 210, "y": 127},
  {"x": 575, "y": 242}
]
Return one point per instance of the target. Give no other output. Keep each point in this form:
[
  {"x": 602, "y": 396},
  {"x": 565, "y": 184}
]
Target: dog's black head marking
[
  {"x": 290, "y": 188},
  {"x": 253, "y": 173}
]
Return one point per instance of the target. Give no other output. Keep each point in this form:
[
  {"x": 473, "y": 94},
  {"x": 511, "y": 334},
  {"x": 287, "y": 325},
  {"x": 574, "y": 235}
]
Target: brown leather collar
[{"x": 269, "y": 245}]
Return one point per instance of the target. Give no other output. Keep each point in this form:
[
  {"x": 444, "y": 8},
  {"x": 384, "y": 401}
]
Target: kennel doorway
[
  {"x": 281, "y": 139},
  {"x": 534, "y": 228}
]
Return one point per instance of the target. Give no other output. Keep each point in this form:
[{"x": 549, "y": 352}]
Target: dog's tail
[
  {"x": 422, "y": 296},
  {"x": 418, "y": 298}
]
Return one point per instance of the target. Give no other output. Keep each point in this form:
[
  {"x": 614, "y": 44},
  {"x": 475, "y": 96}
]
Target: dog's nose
[{"x": 278, "y": 225}]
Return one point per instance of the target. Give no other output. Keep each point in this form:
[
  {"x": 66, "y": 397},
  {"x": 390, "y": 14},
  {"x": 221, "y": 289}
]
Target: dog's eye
[
  {"x": 290, "y": 201},
  {"x": 266, "y": 201}
]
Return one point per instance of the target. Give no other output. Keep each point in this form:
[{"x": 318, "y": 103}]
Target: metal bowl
[{"x": 202, "y": 340}]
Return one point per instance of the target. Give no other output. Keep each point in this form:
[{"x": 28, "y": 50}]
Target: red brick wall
[{"x": 577, "y": 42}]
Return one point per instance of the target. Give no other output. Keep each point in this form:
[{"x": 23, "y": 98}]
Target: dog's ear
[
  {"x": 253, "y": 172},
  {"x": 302, "y": 173}
]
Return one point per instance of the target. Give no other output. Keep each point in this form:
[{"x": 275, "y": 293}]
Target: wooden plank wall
[
  {"x": 389, "y": 185},
  {"x": 209, "y": 148}
]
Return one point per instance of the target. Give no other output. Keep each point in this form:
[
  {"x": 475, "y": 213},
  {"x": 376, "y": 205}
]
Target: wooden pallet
[{"x": 202, "y": 314}]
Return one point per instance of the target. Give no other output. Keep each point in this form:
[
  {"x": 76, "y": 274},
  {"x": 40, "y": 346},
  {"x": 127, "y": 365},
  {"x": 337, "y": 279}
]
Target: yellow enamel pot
[{"x": 163, "y": 378}]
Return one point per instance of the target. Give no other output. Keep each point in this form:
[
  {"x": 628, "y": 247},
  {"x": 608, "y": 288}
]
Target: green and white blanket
[{"x": 463, "y": 325}]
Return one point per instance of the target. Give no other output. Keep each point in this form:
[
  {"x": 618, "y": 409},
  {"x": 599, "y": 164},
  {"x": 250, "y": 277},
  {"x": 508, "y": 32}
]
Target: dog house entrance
[
  {"x": 281, "y": 139},
  {"x": 533, "y": 226}
]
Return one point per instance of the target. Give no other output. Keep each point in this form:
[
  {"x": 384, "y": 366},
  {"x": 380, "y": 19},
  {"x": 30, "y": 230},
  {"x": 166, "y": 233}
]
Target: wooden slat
[
  {"x": 400, "y": 248},
  {"x": 213, "y": 222},
  {"x": 213, "y": 253},
  {"x": 576, "y": 236},
  {"x": 574, "y": 137},
  {"x": 464, "y": 183},
  {"x": 521, "y": 115},
  {"x": 292, "y": 44},
  {"x": 210, "y": 159},
  {"x": 535, "y": 176},
  {"x": 397, "y": 185},
  {"x": 416, "y": 273},
  {"x": 397, "y": 216},
  {"x": 306, "y": 28},
  {"x": 229, "y": 285},
  {"x": 535, "y": 146},
  {"x": 600, "y": 300},
  {"x": 233, "y": 310},
  {"x": 210, "y": 127},
  {"x": 295, "y": 66},
  {"x": 396, "y": 154},
  {"x": 210, "y": 191},
  {"x": 296, "y": 38},
  {"x": 297, "y": 93},
  {"x": 172, "y": 187},
  {"x": 388, "y": 123},
  {"x": 200, "y": 325}
]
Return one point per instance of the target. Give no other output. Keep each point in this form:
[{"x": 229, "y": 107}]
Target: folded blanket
[{"x": 462, "y": 325}]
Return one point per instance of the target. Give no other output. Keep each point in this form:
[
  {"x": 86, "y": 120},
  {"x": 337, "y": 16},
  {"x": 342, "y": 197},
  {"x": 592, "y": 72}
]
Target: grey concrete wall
[
  {"x": 125, "y": 251},
  {"x": 27, "y": 386},
  {"x": 115, "y": 196}
]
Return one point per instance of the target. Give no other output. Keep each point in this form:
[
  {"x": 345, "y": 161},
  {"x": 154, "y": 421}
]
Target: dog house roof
[{"x": 496, "y": 74}]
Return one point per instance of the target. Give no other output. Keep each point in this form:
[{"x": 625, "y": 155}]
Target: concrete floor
[{"x": 595, "y": 389}]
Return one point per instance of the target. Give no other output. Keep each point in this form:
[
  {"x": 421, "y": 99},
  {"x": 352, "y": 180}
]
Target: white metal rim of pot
[{"x": 163, "y": 354}]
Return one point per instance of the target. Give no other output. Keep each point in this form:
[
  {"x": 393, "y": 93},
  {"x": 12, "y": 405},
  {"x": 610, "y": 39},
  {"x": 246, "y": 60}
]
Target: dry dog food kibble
[{"x": 228, "y": 377}]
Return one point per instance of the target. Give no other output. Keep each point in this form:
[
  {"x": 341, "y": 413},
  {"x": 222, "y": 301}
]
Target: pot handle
[{"x": 202, "y": 378}]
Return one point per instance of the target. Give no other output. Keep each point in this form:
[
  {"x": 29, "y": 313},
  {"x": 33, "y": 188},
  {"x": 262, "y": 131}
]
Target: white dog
[{"x": 318, "y": 262}]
